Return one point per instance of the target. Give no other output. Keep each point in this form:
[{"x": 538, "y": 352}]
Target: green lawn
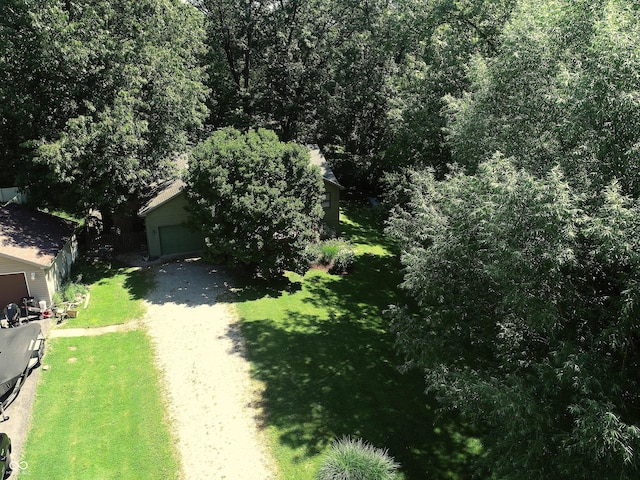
[
  {"x": 321, "y": 347},
  {"x": 116, "y": 294},
  {"x": 98, "y": 412},
  {"x": 318, "y": 343}
]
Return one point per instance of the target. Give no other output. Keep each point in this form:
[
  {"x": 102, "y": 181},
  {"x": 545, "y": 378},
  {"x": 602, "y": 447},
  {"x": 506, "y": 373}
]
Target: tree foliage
[
  {"x": 523, "y": 260},
  {"x": 270, "y": 62},
  {"x": 436, "y": 43},
  {"x": 257, "y": 199},
  {"x": 527, "y": 319},
  {"x": 98, "y": 96},
  {"x": 365, "y": 79},
  {"x": 562, "y": 90}
]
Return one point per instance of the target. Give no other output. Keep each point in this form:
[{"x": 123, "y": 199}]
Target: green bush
[
  {"x": 313, "y": 253},
  {"x": 343, "y": 260},
  {"x": 70, "y": 292},
  {"x": 350, "y": 459},
  {"x": 337, "y": 253}
]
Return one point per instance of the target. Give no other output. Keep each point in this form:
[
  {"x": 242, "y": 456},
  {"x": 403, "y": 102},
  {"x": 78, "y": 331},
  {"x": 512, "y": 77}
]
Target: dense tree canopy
[
  {"x": 527, "y": 319},
  {"x": 257, "y": 199},
  {"x": 97, "y": 97},
  {"x": 563, "y": 90},
  {"x": 364, "y": 79},
  {"x": 523, "y": 260}
]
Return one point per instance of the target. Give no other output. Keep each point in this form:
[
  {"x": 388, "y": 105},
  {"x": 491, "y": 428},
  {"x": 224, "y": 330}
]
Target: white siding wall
[
  {"x": 45, "y": 282},
  {"x": 11, "y": 193},
  {"x": 60, "y": 269}
]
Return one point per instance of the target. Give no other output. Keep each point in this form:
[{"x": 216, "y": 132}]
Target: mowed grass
[
  {"x": 116, "y": 294},
  {"x": 320, "y": 345},
  {"x": 98, "y": 411}
]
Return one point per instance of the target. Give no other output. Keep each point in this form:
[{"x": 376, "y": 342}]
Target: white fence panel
[{"x": 11, "y": 193}]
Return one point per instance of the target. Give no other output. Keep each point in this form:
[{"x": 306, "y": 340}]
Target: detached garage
[
  {"x": 164, "y": 216},
  {"x": 36, "y": 253},
  {"x": 166, "y": 213}
]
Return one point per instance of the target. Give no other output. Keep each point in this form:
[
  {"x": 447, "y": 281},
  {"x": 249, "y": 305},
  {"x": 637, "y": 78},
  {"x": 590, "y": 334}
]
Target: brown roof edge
[
  {"x": 33, "y": 236},
  {"x": 170, "y": 190},
  {"x": 318, "y": 159}
]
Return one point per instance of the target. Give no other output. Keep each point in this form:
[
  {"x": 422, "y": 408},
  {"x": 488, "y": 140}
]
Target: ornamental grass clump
[
  {"x": 350, "y": 459},
  {"x": 343, "y": 260},
  {"x": 337, "y": 254}
]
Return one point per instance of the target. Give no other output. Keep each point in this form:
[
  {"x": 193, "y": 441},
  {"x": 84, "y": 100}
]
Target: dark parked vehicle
[
  {"x": 5, "y": 455},
  {"x": 21, "y": 350}
]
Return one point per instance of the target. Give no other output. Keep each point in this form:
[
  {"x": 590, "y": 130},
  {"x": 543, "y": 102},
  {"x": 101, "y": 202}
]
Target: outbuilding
[
  {"x": 37, "y": 250},
  {"x": 332, "y": 188},
  {"x": 165, "y": 215}
]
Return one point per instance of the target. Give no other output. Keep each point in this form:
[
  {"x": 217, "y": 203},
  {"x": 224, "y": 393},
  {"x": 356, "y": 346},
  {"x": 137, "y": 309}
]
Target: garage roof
[
  {"x": 165, "y": 193},
  {"x": 318, "y": 159},
  {"x": 32, "y": 236}
]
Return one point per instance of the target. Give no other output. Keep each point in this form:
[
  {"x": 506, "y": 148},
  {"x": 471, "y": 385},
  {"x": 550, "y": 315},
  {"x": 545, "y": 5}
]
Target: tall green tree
[
  {"x": 313, "y": 70},
  {"x": 257, "y": 199},
  {"x": 525, "y": 280},
  {"x": 435, "y": 44},
  {"x": 562, "y": 90},
  {"x": 37, "y": 68},
  {"x": 526, "y": 316},
  {"x": 104, "y": 97},
  {"x": 270, "y": 61}
]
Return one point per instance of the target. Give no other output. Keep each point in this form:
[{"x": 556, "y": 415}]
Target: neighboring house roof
[
  {"x": 32, "y": 236},
  {"x": 317, "y": 158},
  {"x": 167, "y": 191}
]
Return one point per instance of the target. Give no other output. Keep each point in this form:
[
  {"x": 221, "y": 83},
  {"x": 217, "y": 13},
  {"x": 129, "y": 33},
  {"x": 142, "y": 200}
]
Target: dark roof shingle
[{"x": 32, "y": 236}]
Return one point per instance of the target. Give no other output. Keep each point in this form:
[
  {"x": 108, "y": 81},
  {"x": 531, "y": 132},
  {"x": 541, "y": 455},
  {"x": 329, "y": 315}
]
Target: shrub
[
  {"x": 337, "y": 254},
  {"x": 350, "y": 459},
  {"x": 313, "y": 253},
  {"x": 70, "y": 292},
  {"x": 342, "y": 260}
]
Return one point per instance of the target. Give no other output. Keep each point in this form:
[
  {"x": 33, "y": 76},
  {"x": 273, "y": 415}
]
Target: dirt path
[{"x": 201, "y": 355}]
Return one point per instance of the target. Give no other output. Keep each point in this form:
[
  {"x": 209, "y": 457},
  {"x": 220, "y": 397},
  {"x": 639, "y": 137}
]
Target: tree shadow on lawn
[
  {"x": 325, "y": 378},
  {"x": 336, "y": 373},
  {"x": 248, "y": 288},
  {"x": 138, "y": 282},
  {"x": 365, "y": 226}
]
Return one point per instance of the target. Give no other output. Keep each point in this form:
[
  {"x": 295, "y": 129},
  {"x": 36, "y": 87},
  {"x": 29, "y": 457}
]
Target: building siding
[
  {"x": 11, "y": 194},
  {"x": 174, "y": 212},
  {"x": 61, "y": 268},
  {"x": 171, "y": 213},
  {"x": 42, "y": 283},
  {"x": 332, "y": 213}
]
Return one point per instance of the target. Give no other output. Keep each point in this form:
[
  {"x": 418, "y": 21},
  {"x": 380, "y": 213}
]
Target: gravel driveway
[
  {"x": 199, "y": 350},
  {"x": 206, "y": 375}
]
